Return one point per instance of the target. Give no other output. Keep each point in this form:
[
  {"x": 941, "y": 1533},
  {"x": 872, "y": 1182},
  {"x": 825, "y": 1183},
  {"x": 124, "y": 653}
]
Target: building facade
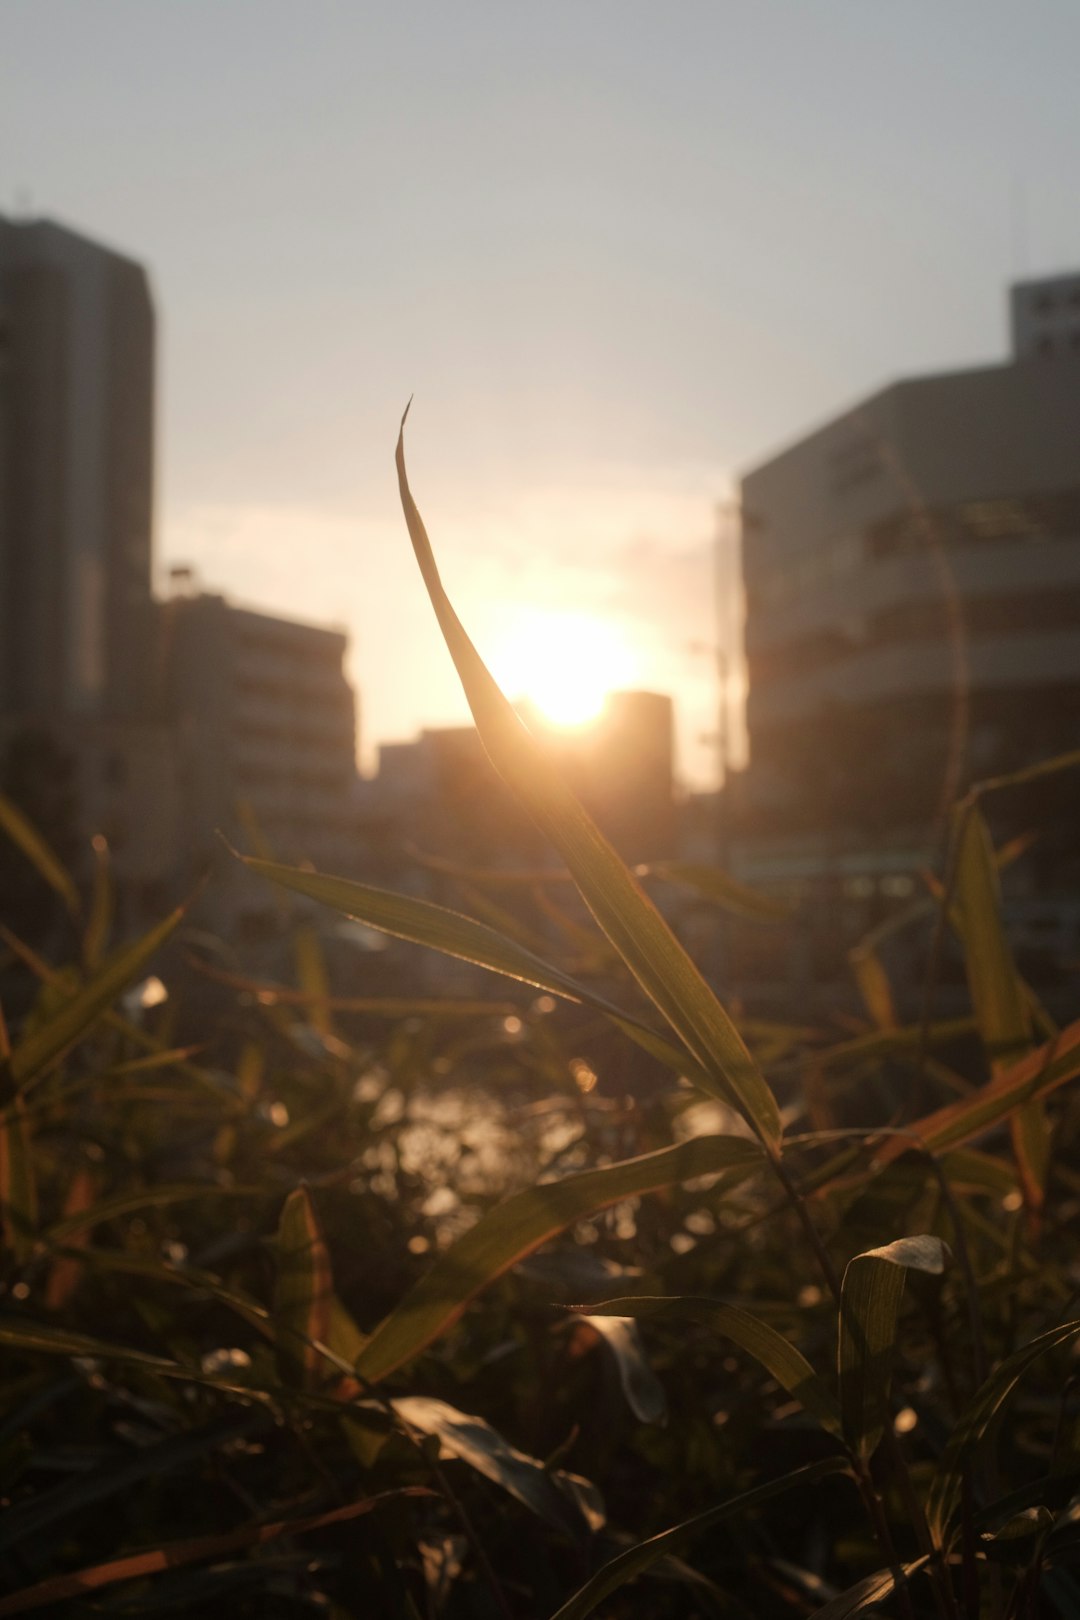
[
  {"x": 912, "y": 574},
  {"x": 76, "y": 475},
  {"x": 265, "y": 731}
]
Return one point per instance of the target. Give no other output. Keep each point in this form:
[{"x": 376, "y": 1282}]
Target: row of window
[
  {"x": 1021, "y": 519},
  {"x": 924, "y": 620}
]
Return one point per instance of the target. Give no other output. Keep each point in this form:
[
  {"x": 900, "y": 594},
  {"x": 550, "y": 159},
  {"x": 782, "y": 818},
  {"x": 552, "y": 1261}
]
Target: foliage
[{"x": 342, "y": 1304}]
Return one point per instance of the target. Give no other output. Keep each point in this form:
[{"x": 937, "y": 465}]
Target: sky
[{"x": 616, "y": 251}]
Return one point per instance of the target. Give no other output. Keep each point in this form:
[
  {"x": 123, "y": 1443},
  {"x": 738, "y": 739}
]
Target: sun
[{"x": 566, "y": 663}]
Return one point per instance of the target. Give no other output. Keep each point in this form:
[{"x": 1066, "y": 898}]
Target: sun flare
[{"x": 565, "y": 663}]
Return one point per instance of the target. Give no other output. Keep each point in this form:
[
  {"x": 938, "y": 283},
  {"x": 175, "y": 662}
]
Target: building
[
  {"x": 76, "y": 475},
  {"x": 265, "y": 732},
  {"x": 912, "y": 576}
]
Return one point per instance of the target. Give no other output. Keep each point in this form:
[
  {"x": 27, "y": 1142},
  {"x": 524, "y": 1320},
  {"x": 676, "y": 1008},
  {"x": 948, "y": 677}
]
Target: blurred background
[{"x": 745, "y": 346}]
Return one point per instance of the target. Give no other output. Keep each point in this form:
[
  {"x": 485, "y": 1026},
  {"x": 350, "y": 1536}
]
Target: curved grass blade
[
  {"x": 643, "y": 1390},
  {"x": 869, "y": 1310},
  {"x": 997, "y": 991},
  {"x": 1035, "y": 1075},
  {"x": 137, "y": 1566},
  {"x": 944, "y": 1496},
  {"x": 423, "y": 923},
  {"x": 637, "y": 1559},
  {"x": 868, "y": 1593},
  {"x": 621, "y": 908},
  {"x": 110, "y": 1209},
  {"x": 18, "y": 1183},
  {"x": 39, "y": 1336},
  {"x": 521, "y": 1224},
  {"x": 474, "y": 1441},
  {"x": 81, "y": 1012},
  {"x": 776, "y": 1354},
  {"x": 304, "y": 1293},
  {"x": 48, "y": 865},
  {"x": 711, "y": 883}
]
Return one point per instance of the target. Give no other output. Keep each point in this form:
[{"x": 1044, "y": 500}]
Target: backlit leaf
[
  {"x": 304, "y": 1293},
  {"x": 44, "y": 860},
  {"x": 521, "y": 1224},
  {"x": 869, "y": 1310},
  {"x": 776, "y": 1354},
  {"x": 621, "y": 908}
]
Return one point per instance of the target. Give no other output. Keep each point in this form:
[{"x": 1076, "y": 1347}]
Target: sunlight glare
[{"x": 565, "y": 663}]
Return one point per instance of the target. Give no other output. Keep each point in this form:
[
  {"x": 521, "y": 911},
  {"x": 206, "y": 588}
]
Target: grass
[{"x": 365, "y": 1307}]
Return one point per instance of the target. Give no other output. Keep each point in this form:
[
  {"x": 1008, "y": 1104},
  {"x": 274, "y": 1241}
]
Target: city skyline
[{"x": 577, "y": 245}]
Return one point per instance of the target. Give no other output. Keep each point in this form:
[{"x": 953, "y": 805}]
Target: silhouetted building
[
  {"x": 266, "y": 725},
  {"x": 76, "y": 474},
  {"x": 913, "y": 610}
]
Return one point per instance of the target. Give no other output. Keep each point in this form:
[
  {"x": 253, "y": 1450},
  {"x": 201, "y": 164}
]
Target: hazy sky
[{"x": 618, "y": 250}]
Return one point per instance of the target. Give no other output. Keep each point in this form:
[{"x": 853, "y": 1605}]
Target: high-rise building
[
  {"x": 266, "y": 724},
  {"x": 912, "y": 577},
  {"x": 76, "y": 475}
]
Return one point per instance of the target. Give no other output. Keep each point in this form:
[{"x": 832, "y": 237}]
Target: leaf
[
  {"x": 18, "y": 1334},
  {"x": 718, "y": 886},
  {"x": 312, "y": 977},
  {"x": 304, "y": 1293},
  {"x": 1035, "y": 1075},
  {"x": 81, "y": 1011},
  {"x": 621, "y": 908},
  {"x": 997, "y": 992},
  {"x": 136, "y": 1566},
  {"x": 521, "y": 1224},
  {"x": 944, "y": 1495},
  {"x": 99, "y": 922},
  {"x": 18, "y": 1183},
  {"x": 869, "y": 1309},
  {"x": 475, "y": 1442},
  {"x": 110, "y": 1209},
  {"x": 637, "y": 1559},
  {"x": 874, "y": 986},
  {"x": 867, "y": 1593},
  {"x": 47, "y": 864},
  {"x": 776, "y": 1354},
  {"x": 643, "y": 1390},
  {"x": 423, "y": 923}
]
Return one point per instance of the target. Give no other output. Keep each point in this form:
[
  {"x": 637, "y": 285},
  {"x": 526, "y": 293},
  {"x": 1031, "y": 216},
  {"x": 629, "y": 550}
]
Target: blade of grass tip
[
  {"x": 45, "y": 861},
  {"x": 622, "y": 909}
]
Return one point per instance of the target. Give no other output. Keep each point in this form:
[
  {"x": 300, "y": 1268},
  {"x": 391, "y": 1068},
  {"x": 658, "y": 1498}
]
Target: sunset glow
[{"x": 565, "y": 663}]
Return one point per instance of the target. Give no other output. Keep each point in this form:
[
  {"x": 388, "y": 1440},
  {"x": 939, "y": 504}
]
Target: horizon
[{"x": 574, "y": 243}]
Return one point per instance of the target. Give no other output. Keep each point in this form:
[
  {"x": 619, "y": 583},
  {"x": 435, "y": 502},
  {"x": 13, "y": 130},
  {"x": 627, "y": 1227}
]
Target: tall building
[
  {"x": 76, "y": 475},
  {"x": 266, "y": 723},
  {"x": 912, "y": 577}
]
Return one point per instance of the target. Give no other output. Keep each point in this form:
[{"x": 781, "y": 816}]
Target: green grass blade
[
  {"x": 621, "y": 908},
  {"x": 18, "y": 1183},
  {"x": 645, "y": 1395},
  {"x": 1036, "y": 1075},
  {"x": 438, "y": 928},
  {"x": 81, "y": 1012},
  {"x": 944, "y": 1496},
  {"x": 475, "y": 1442},
  {"x": 46, "y": 863},
  {"x": 521, "y": 1224},
  {"x": 717, "y": 886},
  {"x": 997, "y": 991},
  {"x": 776, "y": 1354},
  {"x": 868, "y": 1593},
  {"x": 304, "y": 1292},
  {"x": 636, "y": 1560},
  {"x": 869, "y": 1312}
]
